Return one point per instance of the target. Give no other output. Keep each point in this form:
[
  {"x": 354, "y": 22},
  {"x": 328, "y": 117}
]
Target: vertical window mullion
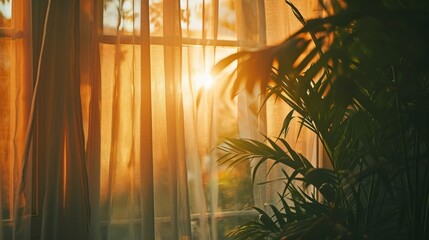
[{"x": 148, "y": 221}]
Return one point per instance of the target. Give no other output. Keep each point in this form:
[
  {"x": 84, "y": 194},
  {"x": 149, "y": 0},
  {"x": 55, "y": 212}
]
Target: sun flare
[{"x": 204, "y": 81}]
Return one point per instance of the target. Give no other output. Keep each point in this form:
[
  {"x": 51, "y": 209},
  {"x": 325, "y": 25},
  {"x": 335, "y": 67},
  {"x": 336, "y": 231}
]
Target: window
[
  {"x": 217, "y": 195},
  {"x": 142, "y": 115}
]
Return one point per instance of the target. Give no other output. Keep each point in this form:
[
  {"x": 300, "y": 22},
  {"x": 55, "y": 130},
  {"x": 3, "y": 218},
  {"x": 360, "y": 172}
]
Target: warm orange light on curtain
[{"x": 123, "y": 148}]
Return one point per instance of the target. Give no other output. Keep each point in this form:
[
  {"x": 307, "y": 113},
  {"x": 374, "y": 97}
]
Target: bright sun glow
[
  {"x": 6, "y": 9},
  {"x": 204, "y": 81}
]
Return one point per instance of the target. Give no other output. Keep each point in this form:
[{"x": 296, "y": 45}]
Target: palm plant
[{"x": 359, "y": 80}]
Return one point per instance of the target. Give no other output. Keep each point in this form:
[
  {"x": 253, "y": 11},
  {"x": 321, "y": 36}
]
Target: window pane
[
  {"x": 199, "y": 16},
  {"x": 155, "y": 17},
  {"x": 5, "y": 13},
  {"x": 227, "y": 20},
  {"x": 192, "y": 15},
  {"x": 123, "y": 19},
  {"x": 5, "y": 163}
]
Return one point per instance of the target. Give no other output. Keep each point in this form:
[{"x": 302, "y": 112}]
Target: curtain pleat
[
  {"x": 21, "y": 185},
  {"x": 251, "y": 112},
  {"x": 281, "y": 23},
  {"x": 59, "y": 138},
  {"x": 90, "y": 73},
  {"x": 178, "y": 192}
]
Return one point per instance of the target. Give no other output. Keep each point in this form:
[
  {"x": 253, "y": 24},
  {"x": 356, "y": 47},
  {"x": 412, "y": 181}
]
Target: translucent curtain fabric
[
  {"x": 187, "y": 200},
  {"x": 90, "y": 74},
  {"x": 281, "y": 23},
  {"x": 133, "y": 105},
  {"x": 15, "y": 98},
  {"x": 125, "y": 122},
  {"x": 211, "y": 115}
]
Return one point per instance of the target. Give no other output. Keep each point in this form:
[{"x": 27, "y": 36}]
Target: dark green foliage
[{"x": 362, "y": 86}]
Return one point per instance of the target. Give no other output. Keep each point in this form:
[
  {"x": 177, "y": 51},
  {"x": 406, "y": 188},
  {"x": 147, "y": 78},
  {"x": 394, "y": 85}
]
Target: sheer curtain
[
  {"x": 281, "y": 23},
  {"x": 125, "y": 118},
  {"x": 15, "y": 98}
]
